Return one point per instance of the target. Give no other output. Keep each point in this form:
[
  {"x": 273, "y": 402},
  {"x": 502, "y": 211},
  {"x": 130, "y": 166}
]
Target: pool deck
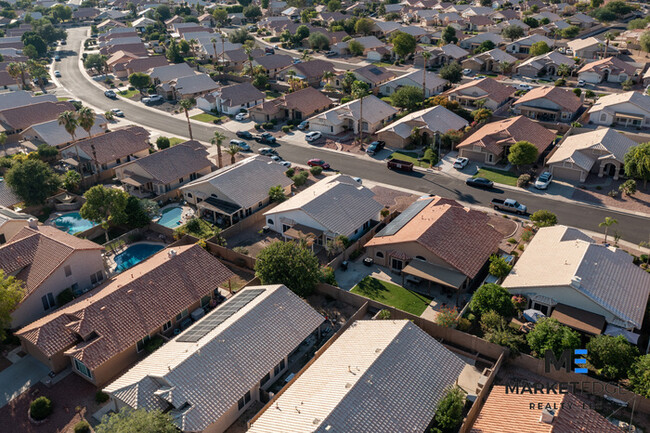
[{"x": 109, "y": 259}]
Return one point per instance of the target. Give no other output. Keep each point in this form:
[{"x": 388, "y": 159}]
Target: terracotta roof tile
[
  {"x": 562, "y": 97},
  {"x": 28, "y": 115},
  {"x": 494, "y": 136},
  {"x": 496, "y": 91},
  {"x": 115, "y": 144}
]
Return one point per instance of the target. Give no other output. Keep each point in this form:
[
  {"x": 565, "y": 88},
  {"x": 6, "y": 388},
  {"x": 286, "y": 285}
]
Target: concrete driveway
[{"x": 20, "y": 377}]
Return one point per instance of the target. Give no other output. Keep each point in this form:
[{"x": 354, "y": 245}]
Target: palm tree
[
  {"x": 607, "y": 223},
  {"x": 327, "y": 75},
  {"x": 608, "y": 37},
  {"x": 86, "y": 119},
  {"x": 218, "y": 139},
  {"x": 193, "y": 50},
  {"x": 214, "y": 48},
  {"x": 3, "y": 142},
  {"x": 359, "y": 91},
  {"x": 18, "y": 70},
  {"x": 70, "y": 122},
  {"x": 425, "y": 60},
  {"x": 186, "y": 105},
  {"x": 233, "y": 150},
  {"x": 505, "y": 67},
  {"x": 249, "y": 54},
  {"x": 563, "y": 70}
]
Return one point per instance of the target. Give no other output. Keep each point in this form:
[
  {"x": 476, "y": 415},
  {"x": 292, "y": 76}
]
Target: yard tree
[
  {"x": 408, "y": 97},
  {"x": 543, "y": 218},
  {"x": 30, "y": 51},
  {"x": 61, "y": 12},
  {"x": 162, "y": 143},
  {"x": 570, "y": 32},
  {"x": 449, "y": 35},
  {"x": 364, "y": 26},
  {"x": 217, "y": 140},
  {"x": 453, "y": 72},
  {"x": 532, "y": 22},
  {"x": 513, "y": 32},
  {"x": 481, "y": 115},
  {"x": 220, "y": 15},
  {"x": 523, "y": 153},
  {"x": 163, "y": 13},
  {"x": 611, "y": 357},
  {"x": 485, "y": 46},
  {"x": 644, "y": 41},
  {"x": 355, "y": 48},
  {"x": 319, "y": 41},
  {"x": 96, "y": 62},
  {"x": 71, "y": 180},
  {"x": 288, "y": 263},
  {"x": 252, "y": 12},
  {"x": 128, "y": 420},
  {"x": 140, "y": 81},
  {"x": 33, "y": 181},
  {"x": 31, "y": 38},
  {"x": 302, "y": 32},
  {"x": 333, "y": 5},
  {"x": 640, "y": 376},
  {"x": 403, "y": 44},
  {"x": 276, "y": 194},
  {"x": 492, "y": 297},
  {"x": 11, "y": 293},
  {"x": 628, "y": 187},
  {"x": 637, "y": 162},
  {"x": 549, "y": 334},
  {"x": 499, "y": 267},
  {"x": 539, "y": 48},
  {"x": 18, "y": 70},
  {"x": 359, "y": 91},
  {"x": 187, "y": 105},
  {"x": 449, "y": 413},
  {"x": 609, "y": 221},
  {"x": 105, "y": 206}
]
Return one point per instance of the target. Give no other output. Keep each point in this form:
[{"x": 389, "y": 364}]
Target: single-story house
[
  {"x": 522, "y": 45},
  {"x": 545, "y": 64},
  {"x": 311, "y": 71},
  {"x": 189, "y": 86},
  {"x": 434, "y": 84},
  {"x": 11, "y": 222},
  {"x": 490, "y": 91},
  {"x": 53, "y": 134},
  {"x": 346, "y": 117},
  {"x": 475, "y": 41},
  {"x": 488, "y": 61},
  {"x": 628, "y": 109},
  {"x": 14, "y": 120},
  {"x": 373, "y": 75},
  {"x": 610, "y": 70},
  {"x": 273, "y": 64},
  {"x": 548, "y": 103},
  {"x": 231, "y": 99},
  {"x": 590, "y": 48},
  {"x": 294, "y": 106}
]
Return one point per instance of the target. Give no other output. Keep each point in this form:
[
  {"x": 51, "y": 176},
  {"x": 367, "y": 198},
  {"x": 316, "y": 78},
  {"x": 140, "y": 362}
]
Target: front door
[{"x": 397, "y": 264}]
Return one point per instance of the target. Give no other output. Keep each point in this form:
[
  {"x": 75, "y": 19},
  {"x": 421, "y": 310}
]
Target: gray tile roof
[
  {"x": 191, "y": 84},
  {"x": 170, "y": 72},
  {"x": 20, "y": 98}
]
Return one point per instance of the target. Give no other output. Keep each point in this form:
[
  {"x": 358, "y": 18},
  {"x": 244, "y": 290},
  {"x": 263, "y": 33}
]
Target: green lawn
[
  {"x": 383, "y": 64},
  {"x": 272, "y": 94},
  {"x": 206, "y": 117},
  {"x": 391, "y": 294},
  {"x": 173, "y": 141},
  {"x": 128, "y": 93},
  {"x": 411, "y": 157},
  {"x": 62, "y": 98},
  {"x": 498, "y": 176}
]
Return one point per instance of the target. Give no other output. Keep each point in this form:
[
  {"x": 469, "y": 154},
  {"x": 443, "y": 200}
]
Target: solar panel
[
  {"x": 404, "y": 218},
  {"x": 219, "y": 315}
]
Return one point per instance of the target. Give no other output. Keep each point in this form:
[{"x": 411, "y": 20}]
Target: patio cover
[
  {"x": 578, "y": 319},
  {"x": 299, "y": 231},
  {"x": 220, "y": 206},
  {"x": 71, "y": 161},
  {"x": 134, "y": 180},
  {"x": 435, "y": 273},
  {"x": 612, "y": 330}
]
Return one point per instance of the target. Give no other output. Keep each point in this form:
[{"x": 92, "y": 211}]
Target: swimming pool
[
  {"x": 134, "y": 254},
  {"x": 72, "y": 223},
  {"x": 171, "y": 217}
]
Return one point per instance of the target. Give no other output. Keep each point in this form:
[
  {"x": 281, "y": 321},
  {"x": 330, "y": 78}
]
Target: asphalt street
[{"x": 631, "y": 227}]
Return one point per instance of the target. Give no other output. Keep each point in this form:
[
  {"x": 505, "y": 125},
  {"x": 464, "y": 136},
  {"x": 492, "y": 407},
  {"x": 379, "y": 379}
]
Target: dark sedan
[
  {"x": 479, "y": 182},
  {"x": 245, "y": 135}
]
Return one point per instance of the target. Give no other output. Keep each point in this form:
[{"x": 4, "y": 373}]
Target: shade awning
[
  {"x": 629, "y": 116},
  {"x": 435, "y": 273},
  {"x": 133, "y": 181},
  {"x": 219, "y": 206},
  {"x": 579, "y": 319},
  {"x": 612, "y": 330},
  {"x": 298, "y": 231},
  {"x": 71, "y": 162}
]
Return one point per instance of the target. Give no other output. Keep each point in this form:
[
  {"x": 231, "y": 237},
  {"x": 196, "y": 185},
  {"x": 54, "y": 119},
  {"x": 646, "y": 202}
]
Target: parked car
[
  {"x": 296, "y": 61},
  {"x": 544, "y": 180},
  {"x": 508, "y": 205},
  {"x": 267, "y": 151},
  {"x": 57, "y": 74},
  {"x": 479, "y": 77},
  {"x": 303, "y": 125},
  {"x": 330, "y": 54},
  {"x": 265, "y": 137},
  {"x": 525, "y": 87},
  {"x": 313, "y": 136},
  {"x": 581, "y": 83},
  {"x": 117, "y": 112},
  {"x": 467, "y": 71},
  {"x": 375, "y": 147},
  {"x": 479, "y": 182},
  {"x": 358, "y": 180},
  {"x": 461, "y": 162},
  {"x": 269, "y": 50},
  {"x": 285, "y": 163},
  {"x": 152, "y": 99},
  {"x": 318, "y": 163},
  {"x": 110, "y": 94},
  {"x": 246, "y": 135},
  {"x": 276, "y": 158},
  {"x": 63, "y": 42},
  {"x": 398, "y": 164},
  {"x": 57, "y": 58},
  {"x": 242, "y": 144},
  {"x": 240, "y": 116}
]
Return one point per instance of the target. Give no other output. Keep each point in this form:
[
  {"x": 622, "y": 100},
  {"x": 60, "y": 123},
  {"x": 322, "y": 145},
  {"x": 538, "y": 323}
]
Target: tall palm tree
[
  {"x": 609, "y": 221},
  {"x": 233, "y": 150},
  {"x": 425, "y": 60},
  {"x": 218, "y": 140},
  {"x": 214, "y": 48},
  {"x": 563, "y": 70},
  {"x": 608, "y": 37},
  {"x": 193, "y": 43},
  {"x": 18, "y": 70},
  {"x": 70, "y": 122},
  {"x": 3, "y": 142},
  {"x": 249, "y": 54},
  {"x": 186, "y": 105},
  {"x": 86, "y": 119},
  {"x": 359, "y": 91},
  {"x": 327, "y": 75}
]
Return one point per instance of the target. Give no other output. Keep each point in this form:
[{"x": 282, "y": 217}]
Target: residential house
[
  {"x": 599, "y": 152},
  {"x": 368, "y": 42},
  {"x": 293, "y": 13},
  {"x": 228, "y": 193},
  {"x": 492, "y": 142},
  {"x": 563, "y": 267},
  {"x": 373, "y": 75},
  {"x": 310, "y": 72},
  {"x": 15, "y": 120},
  {"x": 273, "y": 64},
  {"x": 100, "y": 155},
  {"x": 581, "y": 20},
  {"x": 434, "y": 85},
  {"x": 590, "y": 48},
  {"x": 193, "y": 376},
  {"x": 489, "y": 61},
  {"x": 293, "y": 106},
  {"x": 53, "y": 134},
  {"x": 488, "y": 90},
  {"x": 522, "y": 45},
  {"x": 479, "y": 23},
  {"x": 336, "y": 392},
  {"x": 474, "y": 42},
  {"x": 48, "y": 260},
  {"x": 385, "y": 28},
  {"x": 628, "y": 109},
  {"x": 545, "y": 64},
  {"x": 429, "y": 122},
  {"x": 11, "y": 222},
  {"x": 231, "y": 99},
  {"x": 7, "y": 82},
  {"x": 164, "y": 74},
  {"x": 561, "y": 412},
  {"x": 611, "y": 70},
  {"x": 346, "y": 117},
  {"x": 549, "y": 103},
  {"x": 334, "y": 206},
  {"x": 141, "y": 23},
  {"x": 438, "y": 240},
  {"x": 165, "y": 170},
  {"x": 138, "y": 64},
  {"x": 444, "y": 55},
  {"x": 105, "y": 331},
  {"x": 187, "y": 87}
]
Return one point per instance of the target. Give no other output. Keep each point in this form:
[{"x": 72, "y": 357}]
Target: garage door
[
  {"x": 474, "y": 156},
  {"x": 566, "y": 173}
]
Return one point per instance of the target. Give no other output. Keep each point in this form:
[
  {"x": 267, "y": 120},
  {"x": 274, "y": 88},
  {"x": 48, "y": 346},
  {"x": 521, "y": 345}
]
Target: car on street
[
  {"x": 581, "y": 83},
  {"x": 508, "y": 205},
  {"x": 313, "y": 136},
  {"x": 544, "y": 180},
  {"x": 375, "y": 147},
  {"x": 110, "y": 94},
  {"x": 267, "y": 151},
  {"x": 296, "y": 61},
  {"x": 479, "y": 182},
  {"x": 265, "y": 137},
  {"x": 57, "y": 74},
  {"x": 318, "y": 163},
  {"x": 358, "y": 180},
  {"x": 242, "y": 144},
  {"x": 461, "y": 162},
  {"x": 57, "y": 58},
  {"x": 479, "y": 77},
  {"x": 285, "y": 163},
  {"x": 525, "y": 87},
  {"x": 117, "y": 112},
  {"x": 152, "y": 99},
  {"x": 303, "y": 125},
  {"x": 240, "y": 116},
  {"x": 330, "y": 54},
  {"x": 269, "y": 50},
  {"x": 246, "y": 135}
]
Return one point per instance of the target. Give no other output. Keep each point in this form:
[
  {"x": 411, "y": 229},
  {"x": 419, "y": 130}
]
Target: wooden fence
[{"x": 247, "y": 223}]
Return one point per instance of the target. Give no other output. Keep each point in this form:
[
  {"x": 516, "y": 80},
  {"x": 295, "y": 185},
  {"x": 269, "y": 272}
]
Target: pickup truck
[
  {"x": 398, "y": 164},
  {"x": 265, "y": 138},
  {"x": 509, "y": 205}
]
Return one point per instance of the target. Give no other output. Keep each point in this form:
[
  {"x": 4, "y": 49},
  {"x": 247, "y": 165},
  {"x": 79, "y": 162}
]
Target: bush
[
  {"x": 40, "y": 408},
  {"x": 316, "y": 170},
  {"x": 267, "y": 125},
  {"x": 286, "y": 128},
  {"x": 523, "y": 180},
  {"x": 153, "y": 344},
  {"x": 499, "y": 267},
  {"x": 560, "y": 82},
  {"x": 544, "y": 218},
  {"x": 82, "y": 427},
  {"x": 447, "y": 316},
  {"x": 611, "y": 357},
  {"x": 64, "y": 297},
  {"x": 640, "y": 376},
  {"x": 527, "y": 235},
  {"x": 549, "y": 334},
  {"x": 491, "y": 320},
  {"x": 492, "y": 297},
  {"x": 290, "y": 172},
  {"x": 449, "y": 414},
  {"x": 328, "y": 276},
  {"x": 463, "y": 324},
  {"x": 299, "y": 179},
  {"x": 101, "y": 397},
  {"x": 384, "y": 213}
]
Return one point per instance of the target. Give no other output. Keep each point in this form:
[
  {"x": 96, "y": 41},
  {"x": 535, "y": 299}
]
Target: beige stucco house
[
  {"x": 11, "y": 222},
  {"x": 629, "y": 109},
  {"x": 376, "y": 114}
]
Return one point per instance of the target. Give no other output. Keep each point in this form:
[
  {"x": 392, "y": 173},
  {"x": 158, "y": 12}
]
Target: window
[
  {"x": 167, "y": 325},
  {"x": 603, "y": 117},
  {"x": 397, "y": 264},
  {"x": 2, "y": 238},
  {"x": 244, "y": 400},
  {"x": 96, "y": 277},
  {"x": 48, "y": 301},
  {"x": 265, "y": 379},
  {"x": 189, "y": 195},
  {"x": 205, "y": 300},
  {"x": 490, "y": 157},
  {"x": 380, "y": 254},
  {"x": 180, "y": 180},
  {"x": 68, "y": 270},
  {"x": 81, "y": 368},
  {"x": 140, "y": 345},
  {"x": 278, "y": 368},
  {"x": 260, "y": 204},
  {"x": 285, "y": 228},
  {"x": 182, "y": 315}
]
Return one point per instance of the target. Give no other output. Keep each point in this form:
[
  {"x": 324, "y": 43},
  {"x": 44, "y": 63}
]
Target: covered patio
[
  {"x": 138, "y": 186},
  {"x": 450, "y": 281},
  {"x": 219, "y": 212},
  {"x": 579, "y": 319},
  {"x": 299, "y": 231}
]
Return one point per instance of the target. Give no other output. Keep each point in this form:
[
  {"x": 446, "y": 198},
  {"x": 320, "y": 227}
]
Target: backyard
[
  {"x": 498, "y": 176},
  {"x": 392, "y": 294}
]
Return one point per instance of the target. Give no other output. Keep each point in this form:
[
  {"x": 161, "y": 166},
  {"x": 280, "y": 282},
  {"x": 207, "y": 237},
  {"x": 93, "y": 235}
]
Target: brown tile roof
[
  {"x": 35, "y": 253},
  {"x": 143, "y": 64},
  {"x": 375, "y": 74},
  {"x": 126, "y": 308},
  {"x": 610, "y": 63},
  {"x": 313, "y": 69},
  {"x": 307, "y": 101},
  {"x": 238, "y": 94},
  {"x": 28, "y": 115},
  {"x": 571, "y": 415},
  {"x": 496, "y": 91},
  {"x": 496, "y": 135},
  {"x": 458, "y": 235},
  {"x": 562, "y": 97},
  {"x": 116, "y": 144}
]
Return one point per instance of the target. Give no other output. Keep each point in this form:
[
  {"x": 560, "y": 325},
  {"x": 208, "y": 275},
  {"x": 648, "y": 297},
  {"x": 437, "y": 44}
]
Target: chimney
[
  {"x": 171, "y": 253},
  {"x": 33, "y": 223},
  {"x": 576, "y": 282},
  {"x": 547, "y": 416}
]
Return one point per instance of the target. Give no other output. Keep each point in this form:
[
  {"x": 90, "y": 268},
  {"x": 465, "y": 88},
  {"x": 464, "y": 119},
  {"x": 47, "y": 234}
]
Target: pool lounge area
[
  {"x": 71, "y": 223},
  {"x": 134, "y": 254},
  {"x": 174, "y": 215}
]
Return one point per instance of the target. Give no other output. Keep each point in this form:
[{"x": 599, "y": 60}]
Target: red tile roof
[
  {"x": 566, "y": 99},
  {"x": 114, "y": 145},
  {"x": 497, "y": 135},
  {"x": 496, "y": 91}
]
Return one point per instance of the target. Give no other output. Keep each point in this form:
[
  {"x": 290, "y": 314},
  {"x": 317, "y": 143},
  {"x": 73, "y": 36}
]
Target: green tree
[
  {"x": 644, "y": 41},
  {"x": 611, "y": 357},
  {"x": 220, "y": 16},
  {"x": 105, "y": 206},
  {"x": 355, "y": 48},
  {"x": 364, "y": 26},
  {"x": 532, "y": 22},
  {"x": 260, "y": 80},
  {"x": 359, "y": 91},
  {"x": 18, "y": 70},
  {"x": 499, "y": 267},
  {"x": 174, "y": 53},
  {"x": 628, "y": 187},
  {"x": 449, "y": 35},
  {"x": 637, "y": 162},
  {"x": 38, "y": 72},
  {"x": 31, "y": 38},
  {"x": 523, "y": 153},
  {"x": 449, "y": 413},
  {"x": 239, "y": 36},
  {"x": 30, "y": 51},
  {"x": 549, "y": 334},
  {"x": 46, "y": 152},
  {"x": 276, "y": 194},
  {"x": 163, "y": 13},
  {"x": 485, "y": 46},
  {"x": 11, "y": 293},
  {"x": 288, "y": 263},
  {"x": 543, "y": 218},
  {"x": 71, "y": 180},
  {"x": 128, "y": 420},
  {"x": 136, "y": 214},
  {"x": 609, "y": 221},
  {"x": 302, "y": 32},
  {"x": 409, "y": 97},
  {"x": 3, "y": 142},
  {"x": 570, "y": 32},
  {"x": 162, "y": 143},
  {"x": 187, "y": 105},
  {"x": 539, "y": 48},
  {"x": 640, "y": 376},
  {"x": 252, "y": 12},
  {"x": 481, "y": 115},
  {"x": 140, "y": 81},
  {"x": 513, "y": 32},
  {"x": 453, "y": 72},
  {"x": 61, "y": 12},
  {"x": 86, "y": 119},
  {"x": 319, "y": 41},
  {"x": 492, "y": 297},
  {"x": 217, "y": 140},
  {"x": 33, "y": 181},
  {"x": 403, "y": 44},
  {"x": 232, "y": 150},
  {"x": 333, "y": 5},
  {"x": 96, "y": 62}
]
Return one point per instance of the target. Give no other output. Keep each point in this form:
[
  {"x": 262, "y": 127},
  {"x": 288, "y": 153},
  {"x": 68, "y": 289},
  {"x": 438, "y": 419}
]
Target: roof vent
[
  {"x": 576, "y": 282},
  {"x": 547, "y": 416},
  {"x": 33, "y": 223},
  {"x": 348, "y": 385},
  {"x": 171, "y": 253},
  {"x": 316, "y": 421}
]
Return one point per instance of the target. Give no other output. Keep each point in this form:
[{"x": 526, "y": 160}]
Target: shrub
[
  {"x": 612, "y": 357},
  {"x": 316, "y": 170},
  {"x": 64, "y": 297},
  {"x": 613, "y": 193},
  {"x": 153, "y": 344},
  {"x": 628, "y": 187},
  {"x": 267, "y": 125},
  {"x": 384, "y": 213},
  {"x": 512, "y": 241},
  {"x": 286, "y": 128},
  {"x": 549, "y": 334},
  {"x": 543, "y": 218},
  {"x": 499, "y": 267},
  {"x": 383, "y": 315},
  {"x": 101, "y": 397},
  {"x": 560, "y": 82},
  {"x": 299, "y": 180},
  {"x": 523, "y": 180},
  {"x": 290, "y": 172},
  {"x": 40, "y": 408},
  {"x": 492, "y": 297},
  {"x": 449, "y": 414},
  {"x": 447, "y": 316},
  {"x": 82, "y": 427},
  {"x": 519, "y": 302},
  {"x": 463, "y": 324},
  {"x": 356, "y": 254},
  {"x": 328, "y": 276},
  {"x": 640, "y": 376},
  {"x": 491, "y": 320},
  {"x": 527, "y": 235}
]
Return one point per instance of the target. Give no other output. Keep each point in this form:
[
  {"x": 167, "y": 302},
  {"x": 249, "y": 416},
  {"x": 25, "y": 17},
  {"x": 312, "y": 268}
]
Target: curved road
[{"x": 631, "y": 227}]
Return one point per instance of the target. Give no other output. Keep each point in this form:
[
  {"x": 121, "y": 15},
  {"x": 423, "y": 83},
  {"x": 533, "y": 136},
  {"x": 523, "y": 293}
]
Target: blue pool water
[
  {"x": 171, "y": 217},
  {"x": 73, "y": 223},
  {"x": 134, "y": 255}
]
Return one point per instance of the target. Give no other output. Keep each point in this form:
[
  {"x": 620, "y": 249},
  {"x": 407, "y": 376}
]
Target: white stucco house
[
  {"x": 629, "y": 109},
  {"x": 376, "y": 114}
]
